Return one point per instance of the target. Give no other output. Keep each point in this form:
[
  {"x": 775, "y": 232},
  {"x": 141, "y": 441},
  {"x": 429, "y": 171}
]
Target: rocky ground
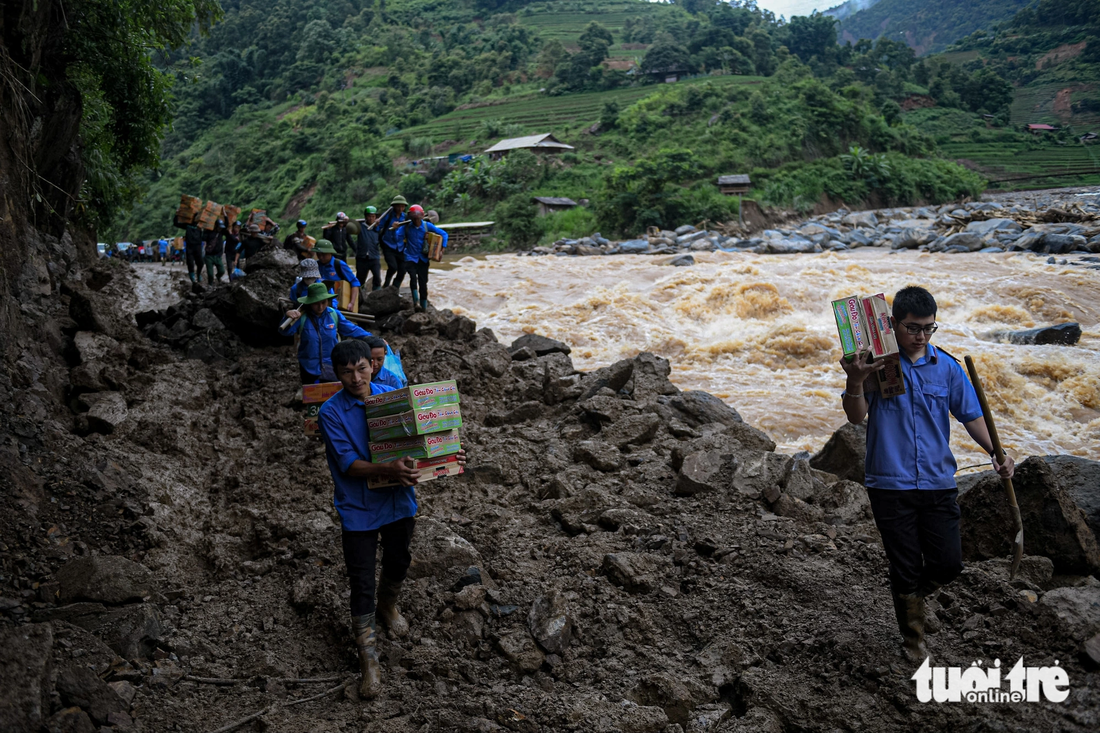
[
  {"x": 1058, "y": 222},
  {"x": 620, "y": 555}
]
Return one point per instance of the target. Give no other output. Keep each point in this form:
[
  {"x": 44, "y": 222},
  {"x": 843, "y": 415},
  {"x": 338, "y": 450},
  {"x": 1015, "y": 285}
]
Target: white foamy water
[{"x": 757, "y": 330}]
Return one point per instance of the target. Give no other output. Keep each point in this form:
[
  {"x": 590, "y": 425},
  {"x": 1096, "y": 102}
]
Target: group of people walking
[{"x": 222, "y": 249}]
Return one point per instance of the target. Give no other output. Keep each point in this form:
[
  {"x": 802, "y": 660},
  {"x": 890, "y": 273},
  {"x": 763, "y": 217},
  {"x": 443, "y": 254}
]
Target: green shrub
[
  {"x": 580, "y": 221},
  {"x": 516, "y": 221}
]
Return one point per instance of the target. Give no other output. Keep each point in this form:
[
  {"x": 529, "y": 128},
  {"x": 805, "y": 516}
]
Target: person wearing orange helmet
[{"x": 415, "y": 249}]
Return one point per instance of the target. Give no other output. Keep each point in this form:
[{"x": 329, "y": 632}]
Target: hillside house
[
  {"x": 1037, "y": 129},
  {"x": 545, "y": 143},
  {"x": 735, "y": 185},
  {"x": 550, "y": 204}
]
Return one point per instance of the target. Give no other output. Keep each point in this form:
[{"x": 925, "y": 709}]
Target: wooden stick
[
  {"x": 1017, "y": 522},
  {"x": 372, "y": 226},
  {"x": 271, "y": 708}
]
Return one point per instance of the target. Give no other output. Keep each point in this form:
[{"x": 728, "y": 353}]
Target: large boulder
[
  {"x": 106, "y": 411},
  {"x": 105, "y": 579},
  {"x": 274, "y": 258},
  {"x": 436, "y": 549},
  {"x": 982, "y": 228},
  {"x": 1054, "y": 526},
  {"x": 650, "y": 376},
  {"x": 93, "y": 346},
  {"x": 250, "y": 307},
  {"x": 631, "y": 430},
  {"x": 551, "y": 623},
  {"x": 1066, "y": 334},
  {"x": 843, "y": 455},
  {"x": 704, "y": 472},
  {"x": 861, "y": 219},
  {"x": 385, "y": 302},
  {"x": 702, "y": 408},
  {"x": 81, "y": 687},
  {"x": 1080, "y": 477},
  {"x": 25, "y": 668},
  {"x": 541, "y": 345},
  {"x": 1077, "y": 608}
]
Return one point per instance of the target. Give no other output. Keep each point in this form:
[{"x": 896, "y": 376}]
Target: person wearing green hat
[
  {"x": 333, "y": 269},
  {"x": 391, "y": 248},
  {"x": 321, "y": 327},
  {"x": 368, "y": 258}
]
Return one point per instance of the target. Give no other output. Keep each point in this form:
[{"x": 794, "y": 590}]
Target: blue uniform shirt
[
  {"x": 908, "y": 436},
  {"x": 388, "y": 238},
  {"x": 414, "y": 239},
  {"x": 337, "y": 269},
  {"x": 319, "y": 337},
  {"x": 344, "y": 428}
]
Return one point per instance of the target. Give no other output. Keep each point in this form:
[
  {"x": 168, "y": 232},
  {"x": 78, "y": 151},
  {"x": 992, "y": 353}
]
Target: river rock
[
  {"x": 843, "y": 455},
  {"x": 457, "y": 328},
  {"x": 613, "y": 377},
  {"x": 81, "y": 687},
  {"x": 632, "y": 430},
  {"x": 650, "y": 376},
  {"x": 1066, "y": 334},
  {"x": 702, "y": 408},
  {"x": 844, "y": 502},
  {"x": 636, "y": 572},
  {"x": 541, "y": 345},
  {"x": 550, "y": 623},
  {"x": 106, "y": 411},
  {"x": 861, "y": 219},
  {"x": 422, "y": 324},
  {"x": 681, "y": 261},
  {"x": 759, "y": 471},
  {"x": 962, "y": 240},
  {"x": 634, "y": 247},
  {"x": 1057, "y": 244},
  {"x": 981, "y": 228},
  {"x": 682, "y": 230},
  {"x": 25, "y": 671},
  {"x": 703, "y": 472},
  {"x": 520, "y": 649},
  {"x": 105, "y": 579},
  {"x": 1053, "y": 524},
  {"x": 491, "y": 359}
]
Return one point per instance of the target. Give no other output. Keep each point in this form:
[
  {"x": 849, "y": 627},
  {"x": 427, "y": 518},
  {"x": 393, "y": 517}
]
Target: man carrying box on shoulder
[
  {"x": 910, "y": 471},
  {"x": 333, "y": 269},
  {"x": 414, "y": 235},
  {"x": 368, "y": 516}
]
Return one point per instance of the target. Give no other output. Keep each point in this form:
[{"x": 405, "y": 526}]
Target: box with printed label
[
  {"x": 420, "y": 446},
  {"x": 429, "y": 468},
  {"x": 312, "y": 393},
  {"x": 414, "y": 422},
  {"x": 864, "y": 325},
  {"x": 413, "y": 397}
]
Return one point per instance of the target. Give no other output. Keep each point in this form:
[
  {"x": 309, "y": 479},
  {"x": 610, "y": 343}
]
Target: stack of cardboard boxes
[
  {"x": 313, "y": 396},
  {"x": 420, "y": 422},
  {"x": 864, "y": 325}
]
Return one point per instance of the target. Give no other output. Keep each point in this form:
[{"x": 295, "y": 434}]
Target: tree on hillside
[
  {"x": 666, "y": 56},
  {"x": 811, "y": 35},
  {"x": 985, "y": 91},
  {"x": 594, "y": 42},
  {"x": 552, "y": 54}
]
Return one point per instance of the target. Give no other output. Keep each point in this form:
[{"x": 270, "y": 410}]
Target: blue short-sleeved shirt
[
  {"x": 908, "y": 436},
  {"x": 344, "y": 428}
]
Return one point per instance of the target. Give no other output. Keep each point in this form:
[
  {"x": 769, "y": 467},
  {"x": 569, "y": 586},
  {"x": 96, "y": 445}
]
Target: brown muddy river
[{"x": 756, "y": 330}]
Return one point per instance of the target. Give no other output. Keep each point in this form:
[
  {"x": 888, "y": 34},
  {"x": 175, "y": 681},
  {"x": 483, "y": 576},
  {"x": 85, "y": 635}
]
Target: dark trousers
[
  {"x": 360, "y": 551},
  {"x": 920, "y": 533},
  {"x": 306, "y": 377},
  {"x": 418, "y": 276},
  {"x": 366, "y": 267},
  {"x": 196, "y": 260},
  {"x": 395, "y": 263}
]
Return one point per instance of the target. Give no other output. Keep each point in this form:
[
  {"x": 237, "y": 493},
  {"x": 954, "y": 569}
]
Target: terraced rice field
[
  {"x": 538, "y": 113},
  {"x": 567, "y": 25},
  {"x": 1013, "y": 166}
]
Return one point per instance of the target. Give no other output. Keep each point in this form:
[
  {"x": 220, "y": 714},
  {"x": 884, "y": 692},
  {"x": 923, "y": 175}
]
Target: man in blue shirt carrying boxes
[
  {"x": 910, "y": 471},
  {"x": 376, "y": 502},
  {"x": 417, "y": 253}
]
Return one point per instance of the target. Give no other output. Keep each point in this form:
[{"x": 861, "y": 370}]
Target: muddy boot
[
  {"x": 909, "y": 610},
  {"x": 388, "y": 616},
  {"x": 366, "y": 642},
  {"x": 424, "y": 304}
]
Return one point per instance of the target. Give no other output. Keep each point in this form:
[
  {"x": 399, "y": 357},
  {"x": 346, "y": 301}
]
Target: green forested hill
[
  {"x": 306, "y": 108},
  {"x": 926, "y": 25}
]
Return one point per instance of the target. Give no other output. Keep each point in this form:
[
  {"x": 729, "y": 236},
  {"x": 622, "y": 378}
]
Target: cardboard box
[
  {"x": 864, "y": 325},
  {"x": 429, "y": 468},
  {"x": 420, "y": 446},
  {"x": 343, "y": 296},
  {"x": 230, "y": 214},
  {"x": 414, "y": 422},
  {"x": 317, "y": 393},
  {"x": 310, "y": 242},
  {"x": 209, "y": 216},
  {"x": 189, "y": 209},
  {"x": 435, "y": 246},
  {"x": 413, "y": 397}
]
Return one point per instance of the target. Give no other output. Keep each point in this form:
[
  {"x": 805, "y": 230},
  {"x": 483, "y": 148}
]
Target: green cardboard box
[
  {"x": 419, "y": 446},
  {"x": 420, "y": 421},
  {"x": 413, "y": 397}
]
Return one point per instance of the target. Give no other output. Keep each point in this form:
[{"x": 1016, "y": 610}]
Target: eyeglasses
[{"x": 913, "y": 329}]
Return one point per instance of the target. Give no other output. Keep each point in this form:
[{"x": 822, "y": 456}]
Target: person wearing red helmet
[{"x": 416, "y": 254}]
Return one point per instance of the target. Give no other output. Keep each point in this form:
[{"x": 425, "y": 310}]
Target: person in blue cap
[
  {"x": 296, "y": 240},
  {"x": 321, "y": 327},
  {"x": 333, "y": 269}
]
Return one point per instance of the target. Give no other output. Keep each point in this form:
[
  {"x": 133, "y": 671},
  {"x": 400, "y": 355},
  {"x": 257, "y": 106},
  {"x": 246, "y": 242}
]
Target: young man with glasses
[{"x": 910, "y": 471}]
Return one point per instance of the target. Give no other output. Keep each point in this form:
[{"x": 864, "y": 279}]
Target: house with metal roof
[
  {"x": 734, "y": 185},
  {"x": 550, "y": 204},
  {"x": 545, "y": 143}
]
